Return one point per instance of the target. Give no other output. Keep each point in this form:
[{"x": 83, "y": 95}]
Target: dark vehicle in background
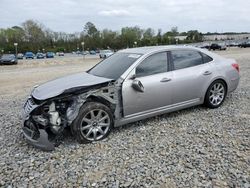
[
  {"x": 215, "y": 46},
  {"x": 20, "y": 56},
  {"x": 29, "y": 55},
  {"x": 40, "y": 56},
  {"x": 205, "y": 46},
  {"x": 244, "y": 44},
  {"x": 8, "y": 59},
  {"x": 49, "y": 55}
]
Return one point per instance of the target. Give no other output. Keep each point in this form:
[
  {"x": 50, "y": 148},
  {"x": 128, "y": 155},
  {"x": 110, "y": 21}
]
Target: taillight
[{"x": 236, "y": 66}]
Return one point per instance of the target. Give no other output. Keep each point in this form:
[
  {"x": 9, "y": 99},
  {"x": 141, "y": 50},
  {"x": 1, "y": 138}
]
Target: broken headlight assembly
[{"x": 45, "y": 122}]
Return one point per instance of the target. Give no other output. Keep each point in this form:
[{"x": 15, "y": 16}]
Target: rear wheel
[
  {"x": 94, "y": 122},
  {"x": 216, "y": 94}
]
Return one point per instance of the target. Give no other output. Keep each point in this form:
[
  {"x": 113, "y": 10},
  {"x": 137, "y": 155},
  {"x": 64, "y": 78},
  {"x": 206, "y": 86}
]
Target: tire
[
  {"x": 93, "y": 123},
  {"x": 216, "y": 94}
]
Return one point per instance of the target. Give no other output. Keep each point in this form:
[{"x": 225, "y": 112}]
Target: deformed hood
[{"x": 58, "y": 86}]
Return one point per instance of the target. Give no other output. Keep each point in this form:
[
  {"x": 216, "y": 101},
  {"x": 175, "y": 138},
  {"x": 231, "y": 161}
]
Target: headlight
[{"x": 12, "y": 60}]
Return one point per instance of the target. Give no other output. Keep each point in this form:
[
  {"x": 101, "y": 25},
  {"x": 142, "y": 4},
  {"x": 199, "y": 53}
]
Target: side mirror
[
  {"x": 132, "y": 77},
  {"x": 137, "y": 85}
]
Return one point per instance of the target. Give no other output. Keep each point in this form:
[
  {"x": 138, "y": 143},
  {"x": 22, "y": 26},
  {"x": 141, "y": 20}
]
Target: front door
[{"x": 153, "y": 75}]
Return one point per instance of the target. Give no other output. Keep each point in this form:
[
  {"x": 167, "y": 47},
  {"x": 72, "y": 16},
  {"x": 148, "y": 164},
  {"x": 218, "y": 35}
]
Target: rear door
[{"x": 191, "y": 75}]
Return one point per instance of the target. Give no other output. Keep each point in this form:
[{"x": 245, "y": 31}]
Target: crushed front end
[{"x": 44, "y": 121}]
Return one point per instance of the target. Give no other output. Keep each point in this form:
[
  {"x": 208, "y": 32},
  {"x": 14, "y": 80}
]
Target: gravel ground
[{"x": 196, "y": 147}]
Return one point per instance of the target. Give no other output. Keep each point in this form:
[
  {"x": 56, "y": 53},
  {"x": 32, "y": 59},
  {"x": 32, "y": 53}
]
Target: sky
[{"x": 71, "y": 15}]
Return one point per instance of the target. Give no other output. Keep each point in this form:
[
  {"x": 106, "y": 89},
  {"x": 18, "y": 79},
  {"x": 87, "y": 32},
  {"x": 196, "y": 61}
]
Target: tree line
[{"x": 34, "y": 36}]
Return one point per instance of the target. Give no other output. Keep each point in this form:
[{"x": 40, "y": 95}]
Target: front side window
[
  {"x": 154, "y": 64},
  {"x": 186, "y": 58}
]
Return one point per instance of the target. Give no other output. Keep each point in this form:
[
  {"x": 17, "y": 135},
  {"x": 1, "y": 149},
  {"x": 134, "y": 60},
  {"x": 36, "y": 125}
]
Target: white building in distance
[{"x": 226, "y": 37}]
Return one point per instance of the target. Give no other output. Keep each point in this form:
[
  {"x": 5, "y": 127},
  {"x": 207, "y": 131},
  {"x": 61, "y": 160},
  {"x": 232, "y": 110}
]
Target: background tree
[
  {"x": 34, "y": 36},
  {"x": 130, "y": 35},
  {"x": 148, "y": 36},
  {"x": 91, "y": 36},
  {"x": 194, "y": 36},
  {"x": 174, "y": 31}
]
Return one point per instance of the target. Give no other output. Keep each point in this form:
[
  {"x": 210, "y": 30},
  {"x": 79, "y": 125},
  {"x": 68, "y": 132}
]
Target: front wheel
[
  {"x": 216, "y": 94},
  {"x": 94, "y": 122}
]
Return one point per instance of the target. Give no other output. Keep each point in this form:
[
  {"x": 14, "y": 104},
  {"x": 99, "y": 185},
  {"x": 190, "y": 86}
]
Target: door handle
[
  {"x": 207, "y": 73},
  {"x": 166, "y": 79}
]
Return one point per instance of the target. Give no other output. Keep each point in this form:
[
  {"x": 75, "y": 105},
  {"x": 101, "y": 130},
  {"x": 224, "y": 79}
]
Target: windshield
[{"x": 114, "y": 66}]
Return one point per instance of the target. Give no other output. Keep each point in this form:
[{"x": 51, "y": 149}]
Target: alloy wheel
[
  {"x": 95, "y": 124},
  {"x": 217, "y": 94}
]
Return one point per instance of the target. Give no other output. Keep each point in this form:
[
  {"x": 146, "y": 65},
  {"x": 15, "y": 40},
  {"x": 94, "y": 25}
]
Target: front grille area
[{"x": 29, "y": 105}]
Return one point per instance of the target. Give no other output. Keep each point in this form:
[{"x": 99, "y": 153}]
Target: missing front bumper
[{"x": 42, "y": 142}]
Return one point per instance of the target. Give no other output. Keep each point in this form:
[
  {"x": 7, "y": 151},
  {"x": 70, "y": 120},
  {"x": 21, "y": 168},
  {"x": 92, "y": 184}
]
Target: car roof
[
  {"x": 149, "y": 49},
  {"x": 154, "y": 49}
]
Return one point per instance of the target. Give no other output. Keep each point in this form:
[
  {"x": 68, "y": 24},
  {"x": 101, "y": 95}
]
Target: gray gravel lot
[{"x": 196, "y": 147}]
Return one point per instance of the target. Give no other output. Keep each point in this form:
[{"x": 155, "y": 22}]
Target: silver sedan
[{"x": 130, "y": 85}]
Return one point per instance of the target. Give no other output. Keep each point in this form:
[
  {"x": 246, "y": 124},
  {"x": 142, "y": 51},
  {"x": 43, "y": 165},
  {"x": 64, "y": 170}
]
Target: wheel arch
[
  {"x": 101, "y": 100},
  {"x": 217, "y": 79}
]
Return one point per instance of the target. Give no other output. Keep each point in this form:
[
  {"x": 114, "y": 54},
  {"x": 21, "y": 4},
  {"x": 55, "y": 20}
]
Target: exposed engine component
[
  {"x": 40, "y": 119},
  {"x": 54, "y": 115},
  {"x": 55, "y": 119}
]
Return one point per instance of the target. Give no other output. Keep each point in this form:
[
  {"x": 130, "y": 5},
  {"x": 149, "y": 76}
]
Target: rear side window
[
  {"x": 206, "y": 58},
  {"x": 154, "y": 64},
  {"x": 186, "y": 58}
]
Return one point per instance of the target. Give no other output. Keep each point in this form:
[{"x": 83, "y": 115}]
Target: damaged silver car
[{"x": 130, "y": 85}]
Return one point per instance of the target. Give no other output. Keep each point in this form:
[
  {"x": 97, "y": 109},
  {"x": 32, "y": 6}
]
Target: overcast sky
[{"x": 71, "y": 15}]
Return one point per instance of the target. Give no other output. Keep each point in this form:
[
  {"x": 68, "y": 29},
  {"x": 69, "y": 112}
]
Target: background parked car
[
  {"x": 245, "y": 44},
  {"x": 92, "y": 52},
  {"x": 205, "y": 46},
  {"x": 29, "y": 55},
  {"x": 105, "y": 53},
  {"x": 232, "y": 44},
  {"x": 223, "y": 46},
  {"x": 20, "y": 56},
  {"x": 49, "y": 55},
  {"x": 8, "y": 59},
  {"x": 40, "y": 56},
  {"x": 60, "y": 53},
  {"x": 78, "y": 52},
  {"x": 215, "y": 46}
]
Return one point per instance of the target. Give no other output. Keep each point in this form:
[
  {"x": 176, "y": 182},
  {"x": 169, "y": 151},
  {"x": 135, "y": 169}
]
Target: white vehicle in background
[{"x": 105, "y": 53}]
